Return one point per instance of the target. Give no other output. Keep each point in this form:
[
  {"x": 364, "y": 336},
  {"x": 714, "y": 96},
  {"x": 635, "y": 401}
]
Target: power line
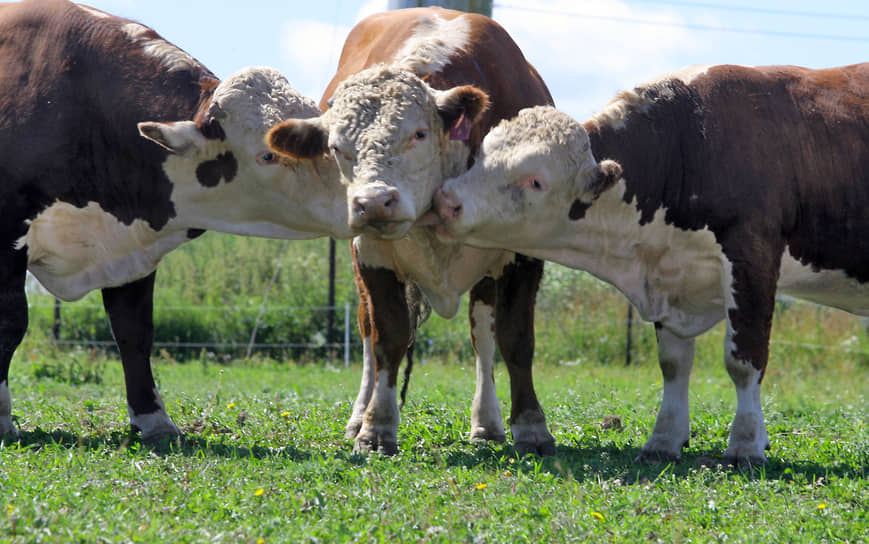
[
  {"x": 750, "y": 9},
  {"x": 689, "y": 26}
]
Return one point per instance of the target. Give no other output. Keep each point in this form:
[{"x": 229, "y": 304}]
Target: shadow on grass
[
  {"x": 189, "y": 445},
  {"x": 607, "y": 462}
]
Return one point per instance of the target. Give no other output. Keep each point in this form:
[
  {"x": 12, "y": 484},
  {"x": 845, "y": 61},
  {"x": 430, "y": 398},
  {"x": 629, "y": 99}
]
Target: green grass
[{"x": 265, "y": 459}]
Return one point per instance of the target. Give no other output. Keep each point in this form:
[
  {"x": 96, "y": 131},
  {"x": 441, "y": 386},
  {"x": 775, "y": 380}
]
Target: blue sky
[{"x": 585, "y": 50}]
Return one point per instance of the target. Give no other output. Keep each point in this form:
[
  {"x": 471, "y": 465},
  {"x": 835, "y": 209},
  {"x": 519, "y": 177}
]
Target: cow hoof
[
  {"x": 351, "y": 430},
  {"x": 744, "y": 461},
  {"x": 7, "y": 427},
  {"x": 543, "y": 449},
  {"x": 657, "y": 456},
  {"x": 482, "y": 434},
  {"x": 162, "y": 439},
  {"x": 376, "y": 444}
]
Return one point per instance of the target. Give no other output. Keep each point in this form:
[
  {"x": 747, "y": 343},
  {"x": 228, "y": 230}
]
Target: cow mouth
[{"x": 387, "y": 230}]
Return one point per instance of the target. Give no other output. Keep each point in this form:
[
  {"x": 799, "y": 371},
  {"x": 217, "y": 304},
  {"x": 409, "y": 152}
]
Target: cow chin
[{"x": 387, "y": 230}]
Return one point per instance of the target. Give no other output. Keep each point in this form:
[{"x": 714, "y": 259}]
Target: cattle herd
[{"x": 435, "y": 148}]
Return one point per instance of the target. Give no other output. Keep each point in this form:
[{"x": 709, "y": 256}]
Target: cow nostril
[{"x": 457, "y": 211}]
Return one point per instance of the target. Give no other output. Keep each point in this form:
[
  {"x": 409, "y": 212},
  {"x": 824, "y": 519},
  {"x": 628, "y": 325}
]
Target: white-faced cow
[
  {"x": 738, "y": 182},
  {"x": 401, "y": 118},
  {"x": 88, "y": 203}
]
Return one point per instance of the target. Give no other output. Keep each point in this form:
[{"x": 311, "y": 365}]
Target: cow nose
[
  {"x": 378, "y": 207},
  {"x": 447, "y": 205}
]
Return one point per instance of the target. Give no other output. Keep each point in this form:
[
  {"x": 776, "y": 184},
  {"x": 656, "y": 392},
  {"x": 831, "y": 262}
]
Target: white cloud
[
  {"x": 586, "y": 59},
  {"x": 312, "y": 48}
]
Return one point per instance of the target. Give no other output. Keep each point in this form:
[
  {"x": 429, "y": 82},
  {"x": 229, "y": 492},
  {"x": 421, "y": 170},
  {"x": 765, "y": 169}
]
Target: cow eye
[
  {"x": 536, "y": 184},
  {"x": 420, "y": 135},
  {"x": 266, "y": 157}
]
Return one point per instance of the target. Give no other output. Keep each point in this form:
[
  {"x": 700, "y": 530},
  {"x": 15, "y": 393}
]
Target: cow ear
[
  {"x": 600, "y": 178},
  {"x": 460, "y": 108},
  {"x": 299, "y": 138},
  {"x": 181, "y": 137}
]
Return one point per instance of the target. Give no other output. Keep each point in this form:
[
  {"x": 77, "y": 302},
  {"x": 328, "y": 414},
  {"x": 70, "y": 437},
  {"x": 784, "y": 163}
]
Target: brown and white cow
[
  {"x": 738, "y": 183},
  {"x": 401, "y": 118},
  {"x": 87, "y": 203}
]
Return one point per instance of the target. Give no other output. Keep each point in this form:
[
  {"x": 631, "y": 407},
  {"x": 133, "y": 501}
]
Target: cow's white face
[
  {"x": 394, "y": 139},
  {"x": 227, "y": 179},
  {"x": 532, "y": 173}
]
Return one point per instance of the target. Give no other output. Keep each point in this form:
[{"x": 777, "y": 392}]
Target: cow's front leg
[
  {"x": 391, "y": 336},
  {"x": 486, "y": 421},
  {"x": 369, "y": 372},
  {"x": 13, "y": 325},
  {"x": 750, "y": 295},
  {"x": 130, "y": 309},
  {"x": 673, "y": 426},
  {"x": 514, "y": 329}
]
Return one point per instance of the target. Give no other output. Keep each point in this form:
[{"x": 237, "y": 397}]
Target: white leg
[
  {"x": 366, "y": 388},
  {"x": 748, "y": 436},
  {"x": 157, "y": 424},
  {"x": 486, "y": 422},
  {"x": 379, "y": 431},
  {"x": 6, "y": 425},
  {"x": 673, "y": 425}
]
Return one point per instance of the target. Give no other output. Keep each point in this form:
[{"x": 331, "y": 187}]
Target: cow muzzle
[
  {"x": 446, "y": 210},
  {"x": 380, "y": 213}
]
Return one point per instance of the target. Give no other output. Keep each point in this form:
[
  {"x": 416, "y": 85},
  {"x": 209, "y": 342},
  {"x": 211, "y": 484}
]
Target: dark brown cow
[
  {"x": 738, "y": 182},
  {"x": 87, "y": 203},
  {"x": 397, "y": 130}
]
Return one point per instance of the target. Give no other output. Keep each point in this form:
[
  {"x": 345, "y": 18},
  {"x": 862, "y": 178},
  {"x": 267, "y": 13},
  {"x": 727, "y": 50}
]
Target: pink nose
[
  {"x": 375, "y": 208},
  {"x": 447, "y": 205}
]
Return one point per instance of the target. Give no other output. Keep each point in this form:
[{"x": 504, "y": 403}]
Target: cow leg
[
  {"x": 750, "y": 307},
  {"x": 672, "y": 427},
  {"x": 514, "y": 329},
  {"x": 486, "y": 422},
  {"x": 369, "y": 372},
  {"x": 391, "y": 337},
  {"x": 13, "y": 325},
  {"x": 130, "y": 310}
]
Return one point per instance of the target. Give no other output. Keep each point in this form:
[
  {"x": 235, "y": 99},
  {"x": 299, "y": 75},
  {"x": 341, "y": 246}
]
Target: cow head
[
  {"x": 224, "y": 176},
  {"x": 534, "y": 173},
  {"x": 395, "y": 140}
]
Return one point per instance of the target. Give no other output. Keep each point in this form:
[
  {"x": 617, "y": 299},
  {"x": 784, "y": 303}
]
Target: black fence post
[
  {"x": 628, "y": 339},
  {"x": 55, "y": 327}
]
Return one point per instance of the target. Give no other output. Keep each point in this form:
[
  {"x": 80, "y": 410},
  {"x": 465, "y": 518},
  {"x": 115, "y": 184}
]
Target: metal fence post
[{"x": 346, "y": 335}]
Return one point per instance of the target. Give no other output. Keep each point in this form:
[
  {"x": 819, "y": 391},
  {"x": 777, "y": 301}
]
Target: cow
[
  {"x": 400, "y": 117},
  {"x": 737, "y": 183},
  {"x": 87, "y": 202}
]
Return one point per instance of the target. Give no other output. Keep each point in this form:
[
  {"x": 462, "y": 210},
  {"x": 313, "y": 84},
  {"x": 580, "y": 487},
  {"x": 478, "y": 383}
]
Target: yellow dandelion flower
[
  {"x": 597, "y": 516},
  {"x": 9, "y": 509},
  {"x": 260, "y": 541},
  {"x": 285, "y": 414},
  {"x": 230, "y": 406},
  {"x": 259, "y": 492},
  {"x": 821, "y": 506},
  {"x": 482, "y": 486}
]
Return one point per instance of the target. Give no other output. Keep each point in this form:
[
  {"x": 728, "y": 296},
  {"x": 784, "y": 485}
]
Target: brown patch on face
[{"x": 224, "y": 166}]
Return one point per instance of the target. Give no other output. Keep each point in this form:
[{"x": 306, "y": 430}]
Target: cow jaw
[{"x": 226, "y": 179}]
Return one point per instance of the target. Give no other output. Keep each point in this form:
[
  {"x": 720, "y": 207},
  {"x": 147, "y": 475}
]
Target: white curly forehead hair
[
  {"x": 380, "y": 91},
  {"x": 257, "y": 96},
  {"x": 540, "y": 125}
]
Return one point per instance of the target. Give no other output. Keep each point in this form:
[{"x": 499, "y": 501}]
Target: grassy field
[{"x": 265, "y": 459}]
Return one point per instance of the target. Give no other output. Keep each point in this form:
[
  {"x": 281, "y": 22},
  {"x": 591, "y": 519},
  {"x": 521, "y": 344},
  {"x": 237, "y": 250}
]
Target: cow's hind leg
[
  {"x": 672, "y": 426},
  {"x": 391, "y": 336},
  {"x": 514, "y": 328},
  {"x": 13, "y": 325},
  {"x": 130, "y": 310},
  {"x": 486, "y": 421}
]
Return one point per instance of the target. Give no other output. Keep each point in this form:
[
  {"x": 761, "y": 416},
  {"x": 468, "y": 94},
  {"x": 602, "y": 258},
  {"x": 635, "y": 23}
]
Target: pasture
[{"x": 265, "y": 459}]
